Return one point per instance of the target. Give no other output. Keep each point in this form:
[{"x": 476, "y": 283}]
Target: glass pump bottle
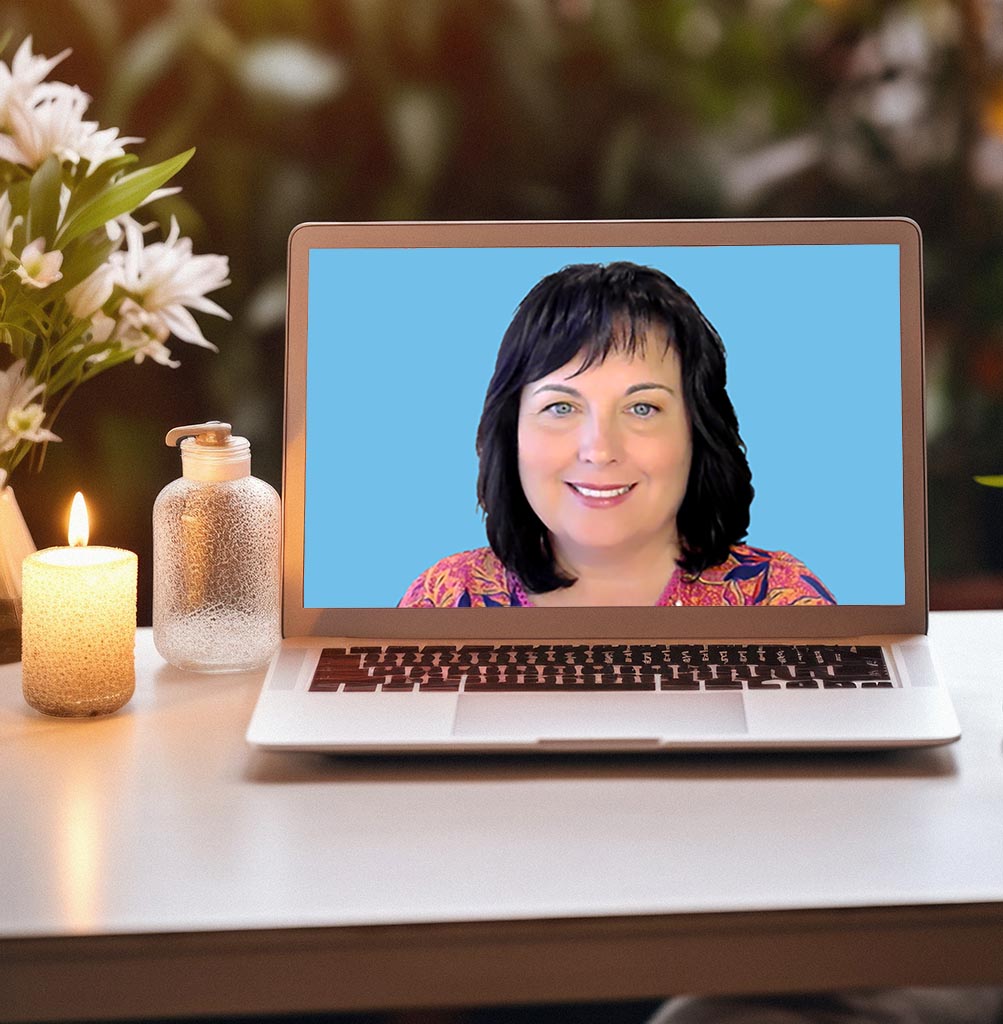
[{"x": 216, "y": 556}]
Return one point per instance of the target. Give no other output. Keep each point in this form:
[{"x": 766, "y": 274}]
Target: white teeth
[{"x": 588, "y": 492}]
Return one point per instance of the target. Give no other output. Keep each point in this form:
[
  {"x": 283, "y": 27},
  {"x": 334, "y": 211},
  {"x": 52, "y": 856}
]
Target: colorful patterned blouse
[{"x": 749, "y": 576}]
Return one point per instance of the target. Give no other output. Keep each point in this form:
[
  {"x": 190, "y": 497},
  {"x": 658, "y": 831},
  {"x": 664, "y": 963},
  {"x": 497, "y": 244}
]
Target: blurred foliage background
[{"x": 502, "y": 109}]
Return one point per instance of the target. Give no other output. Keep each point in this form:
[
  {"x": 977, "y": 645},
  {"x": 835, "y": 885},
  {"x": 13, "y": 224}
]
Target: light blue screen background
[{"x": 402, "y": 344}]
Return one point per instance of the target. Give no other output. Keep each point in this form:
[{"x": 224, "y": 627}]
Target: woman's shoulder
[
  {"x": 468, "y": 579},
  {"x": 751, "y": 575}
]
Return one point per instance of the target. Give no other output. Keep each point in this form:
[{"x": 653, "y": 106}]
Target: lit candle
[{"x": 79, "y": 627}]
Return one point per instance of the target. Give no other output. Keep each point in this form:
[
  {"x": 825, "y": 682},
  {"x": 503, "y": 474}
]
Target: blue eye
[
  {"x": 644, "y": 409},
  {"x": 560, "y": 408}
]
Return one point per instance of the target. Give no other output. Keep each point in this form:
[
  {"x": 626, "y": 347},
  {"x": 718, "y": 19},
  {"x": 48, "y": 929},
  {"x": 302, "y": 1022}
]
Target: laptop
[{"x": 439, "y": 554}]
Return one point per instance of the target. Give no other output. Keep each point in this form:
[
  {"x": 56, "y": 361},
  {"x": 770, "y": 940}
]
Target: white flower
[
  {"x": 86, "y": 298},
  {"x": 102, "y": 327},
  {"x": 26, "y": 71},
  {"x": 159, "y": 353},
  {"x": 166, "y": 280},
  {"x": 51, "y": 121},
  {"x": 39, "y": 268},
  {"x": 65, "y": 195},
  {"x": 116, "y": 228},
  {"x": 26, "y": 422},
  {"x": 20, "y": 417},
  {"x": 7, "y": 226},
  {"x": 143, "y": 333}
]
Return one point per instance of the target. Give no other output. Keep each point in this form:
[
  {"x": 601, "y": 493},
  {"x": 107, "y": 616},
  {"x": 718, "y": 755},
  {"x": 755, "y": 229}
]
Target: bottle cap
[{"x": 209, "y": 452}]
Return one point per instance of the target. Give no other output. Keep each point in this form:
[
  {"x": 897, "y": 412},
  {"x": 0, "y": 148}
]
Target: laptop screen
[
  {"x": 758, "y": 384},
  {"x": 402, "y": 344}
]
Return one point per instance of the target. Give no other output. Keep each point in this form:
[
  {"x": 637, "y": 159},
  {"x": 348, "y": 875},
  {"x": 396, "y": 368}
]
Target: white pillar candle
[{"x": 79, "y": 629}]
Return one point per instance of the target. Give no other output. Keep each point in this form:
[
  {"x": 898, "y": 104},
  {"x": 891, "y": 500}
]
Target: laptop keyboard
[{"x": 501, "y": 667}]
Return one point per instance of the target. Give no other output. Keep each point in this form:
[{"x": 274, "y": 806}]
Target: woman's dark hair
[{"x": 594, "y": 309}]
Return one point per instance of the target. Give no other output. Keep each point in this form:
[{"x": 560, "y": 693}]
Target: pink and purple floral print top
[{"x": 749, "y": 576}]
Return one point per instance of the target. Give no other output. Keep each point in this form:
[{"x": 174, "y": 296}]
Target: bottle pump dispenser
[{"x": 216, "y": 554}]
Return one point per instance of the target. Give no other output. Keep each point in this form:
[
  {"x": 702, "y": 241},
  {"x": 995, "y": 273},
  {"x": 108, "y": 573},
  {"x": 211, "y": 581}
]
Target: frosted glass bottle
[{"x": 216, "y": 557}]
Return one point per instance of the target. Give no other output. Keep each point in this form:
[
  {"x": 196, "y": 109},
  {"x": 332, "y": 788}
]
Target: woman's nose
[{"x": 599, "y": 442}]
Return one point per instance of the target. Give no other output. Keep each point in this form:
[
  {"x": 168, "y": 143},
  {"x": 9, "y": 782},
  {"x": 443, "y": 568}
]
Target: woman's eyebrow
[
  {"x": 562, "y": 388},
  {"x": 647, "y": 385}
]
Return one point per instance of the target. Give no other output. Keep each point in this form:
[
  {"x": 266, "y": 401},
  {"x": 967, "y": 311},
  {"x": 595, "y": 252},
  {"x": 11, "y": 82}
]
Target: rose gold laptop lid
[{"x": 823, "y": 328}]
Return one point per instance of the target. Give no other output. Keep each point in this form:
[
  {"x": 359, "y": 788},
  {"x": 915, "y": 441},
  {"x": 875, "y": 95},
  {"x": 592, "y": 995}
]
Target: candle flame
[{"x": 79, "y": 530}]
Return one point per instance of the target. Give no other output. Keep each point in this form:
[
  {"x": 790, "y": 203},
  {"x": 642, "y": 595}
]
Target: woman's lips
[{"x": 600, "y": 495}]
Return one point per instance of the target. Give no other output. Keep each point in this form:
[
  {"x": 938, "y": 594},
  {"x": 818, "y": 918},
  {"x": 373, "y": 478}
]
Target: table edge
[{"x": 317, "y": 969}]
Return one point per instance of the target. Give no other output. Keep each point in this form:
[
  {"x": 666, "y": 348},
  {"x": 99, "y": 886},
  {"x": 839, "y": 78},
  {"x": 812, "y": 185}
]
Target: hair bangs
[{"x": 627, "y": 333}]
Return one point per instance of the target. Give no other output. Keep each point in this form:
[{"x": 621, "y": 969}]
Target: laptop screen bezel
[{"x": 608, "y": 622}]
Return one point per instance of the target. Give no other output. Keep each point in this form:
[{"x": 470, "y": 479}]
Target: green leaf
[
  {"x": 121, "y": 197},
  {"x": 19, "y": 194},
  {"x": 60, "y": 354},
  {"x": 989, "y": 481},
  {"x": 71, "y": 368},
  {"x": 34, "y": 354},
  {"x": 43, "y": 201},
  {"x": 113, "y": 359},
  {"x": 86, "y": 186}
]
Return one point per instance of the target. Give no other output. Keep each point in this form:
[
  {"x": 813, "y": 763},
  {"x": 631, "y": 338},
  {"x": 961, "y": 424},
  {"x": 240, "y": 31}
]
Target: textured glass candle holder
[{"x": 79, "y": 630}]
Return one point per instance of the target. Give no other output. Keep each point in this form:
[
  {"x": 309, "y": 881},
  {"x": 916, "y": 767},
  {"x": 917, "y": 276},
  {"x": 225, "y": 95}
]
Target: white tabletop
[{"x": 158, "y": 839}]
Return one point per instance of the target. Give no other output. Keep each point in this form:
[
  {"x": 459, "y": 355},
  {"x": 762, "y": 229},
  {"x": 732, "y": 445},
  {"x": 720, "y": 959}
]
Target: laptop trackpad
[{"x": 599, "y": 715}]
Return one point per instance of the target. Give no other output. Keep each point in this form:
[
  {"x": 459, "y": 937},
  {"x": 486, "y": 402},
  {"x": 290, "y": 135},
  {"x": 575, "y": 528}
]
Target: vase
[{"x": 15, "y": 544}]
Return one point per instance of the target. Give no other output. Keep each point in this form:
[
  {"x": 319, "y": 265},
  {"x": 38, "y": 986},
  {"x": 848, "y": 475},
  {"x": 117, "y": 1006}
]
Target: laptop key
[
  {"x": 854, "y": 672},
  {"x": 397, "y": 684},
  {"x": 762, "y": 684},
  {"x": 670, "y": 685}
]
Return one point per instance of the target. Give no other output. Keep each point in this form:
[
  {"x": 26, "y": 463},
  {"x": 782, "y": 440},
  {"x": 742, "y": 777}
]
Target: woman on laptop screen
[{"x": 611, "y": 467}]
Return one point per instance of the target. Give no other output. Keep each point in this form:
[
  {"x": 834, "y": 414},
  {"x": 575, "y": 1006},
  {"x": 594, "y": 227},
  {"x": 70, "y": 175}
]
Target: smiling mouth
[{"x": 604, "y": 492}]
